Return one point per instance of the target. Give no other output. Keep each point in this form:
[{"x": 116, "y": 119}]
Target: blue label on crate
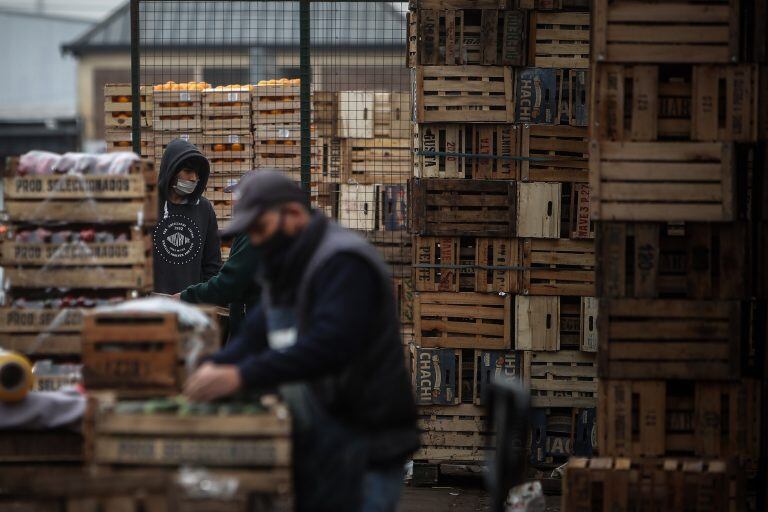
[
  {"x": 435, "y": 376},
  {"x": 536, "y": 96},
  {"x": 395, "y": 209},
  {"x": 494, "y": 364},
  {"x": 585, "y": 439}
]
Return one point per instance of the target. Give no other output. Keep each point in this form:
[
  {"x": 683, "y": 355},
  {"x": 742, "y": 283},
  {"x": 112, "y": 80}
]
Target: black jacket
[
  {"x": 234, "y": 286},
  {"x": 186, "y": 248}
]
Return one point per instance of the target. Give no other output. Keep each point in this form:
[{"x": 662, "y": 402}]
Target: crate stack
[
  {"x": 74, "y": 241},
  {"x": 677, "y": 178},
  {"x": 118, "y": 112},
  {"x": 503, "y": 249}
]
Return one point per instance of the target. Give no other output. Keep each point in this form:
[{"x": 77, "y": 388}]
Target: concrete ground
[{"x": 454, "y": 499}]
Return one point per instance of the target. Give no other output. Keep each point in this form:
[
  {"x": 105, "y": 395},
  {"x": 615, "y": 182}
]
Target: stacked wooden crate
[
  {"x": 74, "y": 241},
  {"x": 675, "y": 165},
  {"x": 118, "y": 112},
  {"x": 503, "y": 248}
]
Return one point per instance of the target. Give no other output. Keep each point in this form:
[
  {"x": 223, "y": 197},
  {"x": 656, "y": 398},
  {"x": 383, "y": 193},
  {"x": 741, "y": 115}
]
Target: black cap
[{"x": 258, "y": 192}]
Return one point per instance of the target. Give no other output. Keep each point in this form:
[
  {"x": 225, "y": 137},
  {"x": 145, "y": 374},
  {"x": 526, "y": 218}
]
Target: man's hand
[
  {"x": 176, "y": 296},
  {"x": 212, "y": 381}
]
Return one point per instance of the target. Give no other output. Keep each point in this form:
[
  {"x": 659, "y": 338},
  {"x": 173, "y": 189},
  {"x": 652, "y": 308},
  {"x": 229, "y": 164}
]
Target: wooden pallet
[
  {"x": 466, "y": 264},
  {"x": 127, "y": 198},
  {"x": 670, "y": 339},
  {"x": 226, "y": 112},
  {"x": 560, "y": 39},
  {"x": 138, "y": 354},
  {"x": 537, "y": 323},
  {"x": 674, "y": 102},
  {"x": 682, "y": 418},
  {"x": 662, "y": 181},
  {"x": 380, "y": 161},
  {"x": 463, "y": 320},
  {"x": 118, "y": 106},
  {"x": 453, "y": 433},
  {"x": 567, "y": 378},
  {"x": 695, "y": 260},
  {"x": 560, "y": 153},
  {"x": 468, "y": 35},
  {"x": 675, "y": 32},
  {"x": 275, "y": 104},
  {"x": 464, "y": 94},
  {"x": 177, "y": 111},
  {"x": 644, "y": 484},
  {"x": 259, "y": 440},
  {"x": 122, "y": 140},
  {"x": 558, "y": 267},
  {"x": 463, "y": 207},
  {"x": 228, "y": 153}
]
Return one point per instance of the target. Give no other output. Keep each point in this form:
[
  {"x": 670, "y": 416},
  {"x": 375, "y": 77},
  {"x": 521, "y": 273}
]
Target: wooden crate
[
  {"x": 118, "y": 106},
  {"x": 578, "y": 323},
  {"x": 560, "y": 39},
  {"x": 694, "y": 260},
  {"x": 258, "y": 440},
  {"x": 275, "y": 104},
  {"x": 463, "y": 207},
  {"x": 177, "y": 111},
  {"x": 395, "y": 249},
  {"x": 560, "y": 433},
  {"x": 439, "y": 148},
  {"x": 42, "y": 333},
  {"x": 162, "y": 139},
  {"x": 469, "y": 35},
  {"x": 464, "y": 94},
  {"x": 359, "y": 206},
  {"x": 537, "y": 323},
  {"x": 79, "y": 265},
  {"x": 662, "y": 181},
  {"x": 567, "y": 378},
  {"x": 138, "y": 354},
  {"x": 558, "y": 153},
  {"x": 502, "y": 143},
  {"x": 558, "y": 267},
  {"x": 580, "y": 222},
  {"x": 670, "y": 339},
  {"x": 651, "y": 484},
  {"x": 122, "y": 140},
  {"x": 356, "y": 114},
  {"x": 538, "y": 210},
  {"x": 127, "y": 198},
  {"x": 680, "y": 418},
  {"x": 226, "y": 112},
  {"x": 673, "y": 31},
  {"x": 490, "y": 365},
  {"x": 674, "y": 102},
  {"x": 462, "y": 320},
  {"x": 436, "y": 375},
  {"x": 394, "y": 208},
  {"x": 403, "y": 287},
  {"x": 552, "y": 96},
  {"x": 325, "y": 113},
  {"x": 331, "y": 165},
  {"x": 588, "y": 324},
  {"x": 370, "y": 161},
  {"x": 48, "y": 446},
  {"x": 466, "y": 264},
  {"x": 228, "y": 153},
  {"x": 392, "y": 115},
  {"x": 453, "y": 433}
]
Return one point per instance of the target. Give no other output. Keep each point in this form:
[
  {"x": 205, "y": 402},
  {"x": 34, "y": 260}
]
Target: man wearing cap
[
  {"x": 327, "y": 334},
  {"x": 235, "y": 285}
]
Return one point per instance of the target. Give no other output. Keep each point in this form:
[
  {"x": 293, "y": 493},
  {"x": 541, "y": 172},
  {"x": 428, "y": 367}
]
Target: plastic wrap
[{"x": 45, "y": 162}]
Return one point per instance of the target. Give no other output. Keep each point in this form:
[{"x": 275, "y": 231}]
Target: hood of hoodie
[{"x": 179, "y": 152}]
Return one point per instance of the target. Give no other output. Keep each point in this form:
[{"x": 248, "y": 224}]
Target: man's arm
[
  {"x": 212, "y": 248},
  {"x": 233, "y": 280},
  {"x": 345, "y": 295}
]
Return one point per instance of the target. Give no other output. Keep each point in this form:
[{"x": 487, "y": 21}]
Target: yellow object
[{"x": 15, "y": 376}]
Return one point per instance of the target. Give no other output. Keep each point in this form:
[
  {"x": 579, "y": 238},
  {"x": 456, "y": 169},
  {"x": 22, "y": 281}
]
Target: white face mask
[{"x": 184, "y": 187}]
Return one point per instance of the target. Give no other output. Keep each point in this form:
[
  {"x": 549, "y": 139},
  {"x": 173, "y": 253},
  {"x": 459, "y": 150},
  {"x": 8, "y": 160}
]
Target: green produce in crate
[{"x": 182, "y": 407}]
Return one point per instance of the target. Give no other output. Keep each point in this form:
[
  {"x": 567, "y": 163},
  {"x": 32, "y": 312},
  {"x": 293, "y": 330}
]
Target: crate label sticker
[
  {"x": 436, "y": 376},
  {"x": 233, "y": 96},
  {"x": 184, "y": 96},
  {"x": 536, "y": 96},
  {"x": 283, "y": 133},
  {"x": 233, "y": 139}
]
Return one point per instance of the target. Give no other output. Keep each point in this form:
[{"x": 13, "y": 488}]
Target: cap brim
[{"x": 240, "y": 223}]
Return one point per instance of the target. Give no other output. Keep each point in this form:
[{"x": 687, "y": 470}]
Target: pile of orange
[{"x": 188, "y": 86}]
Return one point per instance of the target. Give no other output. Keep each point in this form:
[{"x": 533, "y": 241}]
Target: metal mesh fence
[{"x": 228, "y": 76}]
